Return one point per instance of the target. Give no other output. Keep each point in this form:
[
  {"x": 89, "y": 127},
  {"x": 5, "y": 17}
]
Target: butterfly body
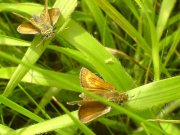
[
  {"x": 112, "y": 96},
  {"x": 44, "y": 28},
  {"x": 90, "y": 108}
]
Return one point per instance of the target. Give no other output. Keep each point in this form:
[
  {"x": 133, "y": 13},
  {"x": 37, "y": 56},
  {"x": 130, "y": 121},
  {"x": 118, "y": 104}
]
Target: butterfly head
[{"x": 122, "y": 97}]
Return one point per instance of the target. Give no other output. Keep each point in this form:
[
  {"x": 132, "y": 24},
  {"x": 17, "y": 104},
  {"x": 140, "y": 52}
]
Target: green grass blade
[
  {"x": 130, "y": 4},
  {"x": 74, "y": 54},
  {"x": 30, "y": 57},
  {"x": 24, "y": 8},
  {"x": 173, "y": 47},
  {"x": 10, "y": 41},
  {"x": 101, "y": 21},
  {"x": 154, "y": 40},
  {"x": 19, "y": 109},
  {"x": 48, "y": 125},
  {"x": 166, "y": 8},
  {"x": 97, "y": 56},
  {"x": 124, "y": 24},
  {"x": 5, "y": 130},
  {"x": 153, "y": 94},
  {"x": 45, "y": 78}
]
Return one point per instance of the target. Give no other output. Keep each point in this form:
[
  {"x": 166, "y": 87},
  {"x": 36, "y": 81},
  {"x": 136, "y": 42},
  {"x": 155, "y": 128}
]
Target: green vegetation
[{"x": 134, "y": 45}]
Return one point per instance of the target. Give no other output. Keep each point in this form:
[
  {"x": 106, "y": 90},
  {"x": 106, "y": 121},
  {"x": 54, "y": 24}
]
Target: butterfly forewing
[
  {"x": 92, "y": 82},
  {"x": 89, "y": 111},
  {"x": 27, "y": 28},
  {"x": 54, "y": 14}
]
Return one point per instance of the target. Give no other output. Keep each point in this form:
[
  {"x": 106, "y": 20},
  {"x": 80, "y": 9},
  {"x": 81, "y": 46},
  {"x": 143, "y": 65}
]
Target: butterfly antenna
[{"x": 46, "y": 5}]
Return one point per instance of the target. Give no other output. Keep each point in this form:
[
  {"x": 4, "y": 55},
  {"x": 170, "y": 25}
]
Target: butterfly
[
  {"x": 43, "y": 24},
  {"x": 90, "y": 108}
]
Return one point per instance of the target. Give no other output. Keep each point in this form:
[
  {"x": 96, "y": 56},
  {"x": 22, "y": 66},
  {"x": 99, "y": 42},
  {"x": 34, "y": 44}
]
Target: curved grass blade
[{"x": 111, "y": 71}]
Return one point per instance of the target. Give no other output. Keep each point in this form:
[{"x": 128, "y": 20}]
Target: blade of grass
[
  {"x": 47, "y": 97},
  {"x": 173, "y": 47},
  {"x": 153, "y": 94},
  {"x": 101, "y": 22},
  {"x": 4, "y": 130},
  {"x": 154, "y": 40},
  {"x": 168, "y": 40},
  {"x": 24, "y": 8},
  {"x": 97, "y": 56},
  {"x": 59, "y": 80},
  {"x": 10, "y": 41},
  {"x": 20, "y": 109},
  {"x": 48, "y": 125},
  {"x": 165, "y": 11},
  {"x": 30, "y": 57},
  {"x": 74, "y": 54},
  {"x": 35, "y": 103},
  {"x": 124, "y": 24},
  {"x": 47, "y": 78}
]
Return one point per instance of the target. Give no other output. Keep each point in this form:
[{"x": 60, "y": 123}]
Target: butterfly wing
[
  {"x": 92, "y": 82},
  {"x": 89, "y": 111},
  {"x": 45, "y": 15},
  {"x": 54, "y": 14},
  {"x": 27, "y": 28}
]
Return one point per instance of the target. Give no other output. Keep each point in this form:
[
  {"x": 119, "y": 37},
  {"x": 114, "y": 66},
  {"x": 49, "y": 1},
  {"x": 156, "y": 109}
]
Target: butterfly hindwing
[
  {"x": 27, "y": 28},
  {"x": 89, "y": 111}
]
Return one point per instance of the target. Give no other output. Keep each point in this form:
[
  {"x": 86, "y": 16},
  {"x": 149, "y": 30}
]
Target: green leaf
[
  {"x": 123, "y": 23},
  {"x": 19, "y": 109},
  {"x": 165, "y": 11},
  {"x": 154, "y": 94},
  {"x": 101, "y": 21},
  {"x": 48, "y": 125},
  {"x": 103, "y": 61}
]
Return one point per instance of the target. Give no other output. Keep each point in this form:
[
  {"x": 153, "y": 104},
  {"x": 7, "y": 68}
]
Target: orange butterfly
[{"x": 90, "y": 108}]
